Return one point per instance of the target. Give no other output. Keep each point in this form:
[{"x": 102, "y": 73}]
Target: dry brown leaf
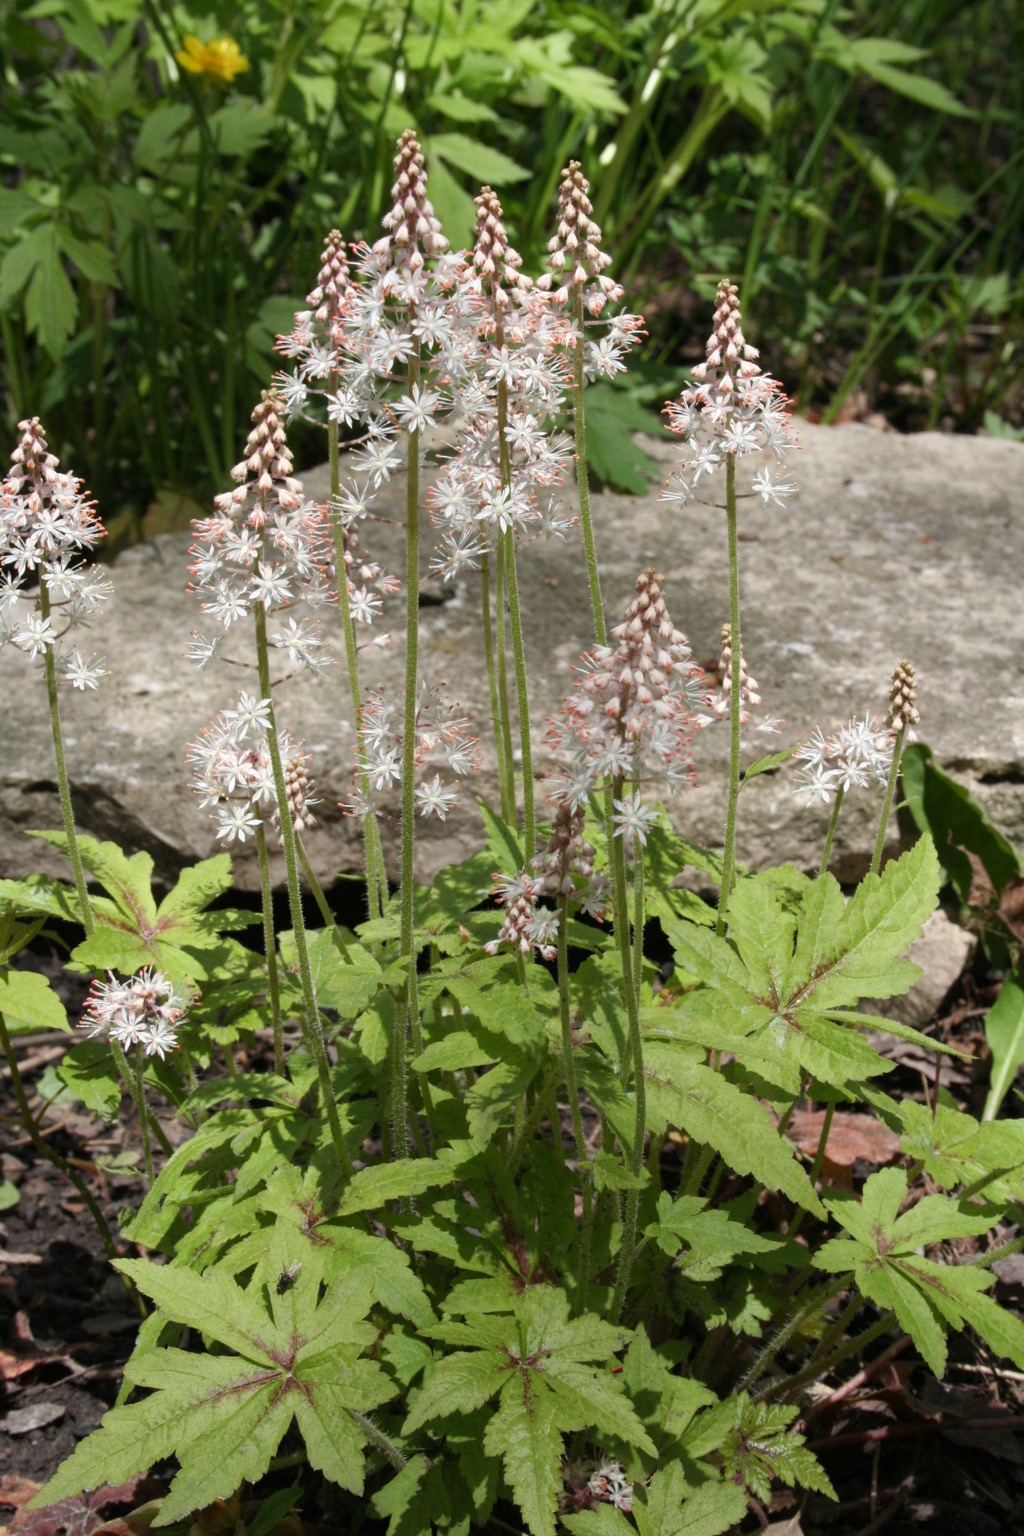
[{"x": 851, "y": 1137}]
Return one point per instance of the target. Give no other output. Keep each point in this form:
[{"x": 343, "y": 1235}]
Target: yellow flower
[{"x": 221, "y": 58}]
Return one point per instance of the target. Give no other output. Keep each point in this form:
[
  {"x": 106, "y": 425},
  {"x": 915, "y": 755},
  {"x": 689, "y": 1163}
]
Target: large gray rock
[{"x": 894, "y": 547}]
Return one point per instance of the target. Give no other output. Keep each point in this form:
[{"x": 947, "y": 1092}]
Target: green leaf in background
[
  {"x": 613, "y": 458},
  {"x": 28, "y": 1003},
  {"x": 483, "y": 164},
  {"x": 957, "y": 823},
  {"x": 1004, "y": 1031},
  {"x": 9, "y": 1196}
]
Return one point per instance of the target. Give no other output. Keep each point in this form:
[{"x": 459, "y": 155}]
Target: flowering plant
[{"x": 434, "y": 1242}]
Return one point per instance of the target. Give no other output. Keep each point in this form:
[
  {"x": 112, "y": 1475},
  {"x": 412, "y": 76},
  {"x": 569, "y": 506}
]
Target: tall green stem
[
  {"x": 735, "y": 702},
  {"x": 376, "y": 880},
  {"x": 63, "y": 788},
  {"x": 516, "y": 621},
  {"x": 501, "y": 667},
  {"x": 831, "y": 832},
  {"x": 580, "y": 421},
  {"x": 270, "y": 951},
  {"x": 139, "y": 1095},
  {"x": 890, "y": 792},
  {"x": 311, "y": 1013},
  {"x": 569, "y": 1063},
  {"x": 505, "y": 779},
  {"x": 407, "y": 950},
  {"x": 634, "y": 1056}
]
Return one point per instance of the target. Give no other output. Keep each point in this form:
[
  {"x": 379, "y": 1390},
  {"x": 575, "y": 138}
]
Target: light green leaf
[
  {"x": 525, "y": 1434},
  {"x": 457, "y": 1383},
  {"x": 28, "y": 1003},
  {"x": 479, "y": 161},
  {"x": 716, "y": 1113}
]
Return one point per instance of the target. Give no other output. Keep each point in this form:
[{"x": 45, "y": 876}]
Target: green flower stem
[
  {"x": 500, "y": 662},
  {"x": 312, "y": 1029},
  {"x": 634, "y": 1056},
  {"x": 812, "y": 1305},
  {"x": 507, "y": 811},
  {"x": 151, "y": 1125},
  {"x": 831, "y": 832},
  {"x": 583, "y": 486},
  {"x": 890, "y": 792},
  {"x": 316, "y": 890},
  {"x": 407, "y": 944},
  {"x": 139, "y": 1095},
  {"x": 569, "y": 1063},
  {"x": 42, "y": 1146},
  {"x": 63, "y": 788},
  {"x": 639, "y": 922},
  {"x": 515, "y": 617},
  {"x": 376, "y": 879},
  {"x": 270, "y": 952},
  {"x": 729, "y": 853}
]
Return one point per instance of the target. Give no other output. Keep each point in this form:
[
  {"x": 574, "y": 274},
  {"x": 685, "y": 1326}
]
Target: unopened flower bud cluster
[
  {"x": 46, "y": 522},
  {"x": 732, "y": 410},
  {"x": 637, "y": 705}
]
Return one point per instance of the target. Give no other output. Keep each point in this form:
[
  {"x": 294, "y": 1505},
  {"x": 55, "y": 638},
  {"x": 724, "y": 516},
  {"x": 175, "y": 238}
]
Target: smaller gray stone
[{"x": 943, "y": 951}]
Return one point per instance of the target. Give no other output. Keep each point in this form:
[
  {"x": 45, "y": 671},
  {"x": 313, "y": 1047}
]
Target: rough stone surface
[
  {"x": 943, "y": 950},
  {"x": 894, "y": 547}
]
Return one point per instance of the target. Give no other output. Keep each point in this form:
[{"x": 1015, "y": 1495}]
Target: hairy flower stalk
[
  {"x": 318, "y": 343},
  {"x": 414, "y": 235},
  {"x": 732, "y": 410},
  {"x": 576, "y": 256},
  {"x": 853, "y": 757},
  {"x": 496, "y": 264},
  {"x": 45, "y": 522},
  {"x": 266, "y": 545},
  {"x": 565, "y": 869},
  {"x": 900, "y": 720}
]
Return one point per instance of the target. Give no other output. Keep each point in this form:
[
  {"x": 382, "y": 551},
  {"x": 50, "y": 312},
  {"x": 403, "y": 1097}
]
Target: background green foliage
[{"x": 862, "y": 165}]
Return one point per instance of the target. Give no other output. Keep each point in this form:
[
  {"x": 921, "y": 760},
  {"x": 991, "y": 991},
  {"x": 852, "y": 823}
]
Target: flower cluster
[
  {"x": 850, "y": 758},
  {"x": 444, "y": 738},
  {"x": 562, "y": 870},
  {"x": 266, "y": 546},
  {"x": 732, "y": 410},
  {"x": 46, "y": 521},
  {"x": 507, "y": 466},
  {"x": 145, "y": 1010},
  {"x": 637, "y": 706},
  {"x": 903, "y": 715},
  {"x": 588, "y": 1485},
  {"x": 234, "y": 775}
]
